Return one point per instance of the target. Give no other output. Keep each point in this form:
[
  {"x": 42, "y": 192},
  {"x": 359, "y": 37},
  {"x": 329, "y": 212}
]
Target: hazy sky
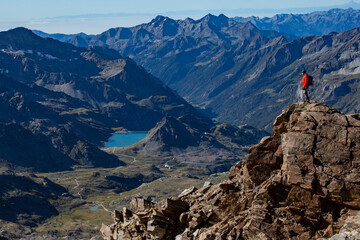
[{"x": 95, "y": 16}]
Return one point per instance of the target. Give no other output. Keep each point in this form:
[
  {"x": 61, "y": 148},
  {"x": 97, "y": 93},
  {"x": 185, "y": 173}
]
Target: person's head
[{"x": 303, "y": 72}]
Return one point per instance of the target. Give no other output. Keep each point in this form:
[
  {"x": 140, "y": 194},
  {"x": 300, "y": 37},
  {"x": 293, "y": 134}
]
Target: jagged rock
[
  {"x": 207, "y": 236},
  {"x": 118, "y": 216},
  {"x": 196, "y": 220},
  {"x": 226, "y": 186},
  {"x": 157, "y": 225},
  {"x": 350, "y": 230},
  {"x": 138, "y": 205},
  {"x": 147, "y": 220},
  {"x": 173, "y": 207},
  {"x": 207, "y": 184},
  {"x": 127, "y": 214},
  {"x": 300, "y": 183},
  {"x": 187, "y": 192},
  {"x": 106, "y": 231}
]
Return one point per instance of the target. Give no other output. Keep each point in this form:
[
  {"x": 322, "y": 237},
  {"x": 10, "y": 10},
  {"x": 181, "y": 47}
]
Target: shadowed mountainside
[{"x": 28, "y": 199}]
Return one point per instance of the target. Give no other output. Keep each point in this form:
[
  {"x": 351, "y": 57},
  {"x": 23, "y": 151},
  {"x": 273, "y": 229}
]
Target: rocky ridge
[
  {"x": 315, "y": 23},
  {"x": 300, "y": 183}
]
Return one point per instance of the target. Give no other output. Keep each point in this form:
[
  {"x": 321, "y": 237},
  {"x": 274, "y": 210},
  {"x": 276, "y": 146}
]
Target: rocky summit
[{"x": 303, "y": 182}]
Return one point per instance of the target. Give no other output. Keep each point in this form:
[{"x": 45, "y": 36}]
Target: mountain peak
[
  {"x": 209, "y": 15},
  {"x": 165, "y": 135},
  {"x": 164, "y": 26},
  {"x": 19, "y": 32},
  {"x": 158, "y": 19},
  {"x": 18, "y": 37},
  {"x": 220, "y": 21}
]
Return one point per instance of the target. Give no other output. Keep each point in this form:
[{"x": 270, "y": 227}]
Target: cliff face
[{"x": 300, "y": 183}]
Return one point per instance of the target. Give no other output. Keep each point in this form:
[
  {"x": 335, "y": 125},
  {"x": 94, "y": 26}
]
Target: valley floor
[{"x": 94, "y": 193}]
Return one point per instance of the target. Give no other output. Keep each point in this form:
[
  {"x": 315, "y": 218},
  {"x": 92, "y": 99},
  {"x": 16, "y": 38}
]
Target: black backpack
[{"x": 311, "y": 81}]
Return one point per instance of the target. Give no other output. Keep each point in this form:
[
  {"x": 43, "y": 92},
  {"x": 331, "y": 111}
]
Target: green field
[{"x": 94, "y": 193}]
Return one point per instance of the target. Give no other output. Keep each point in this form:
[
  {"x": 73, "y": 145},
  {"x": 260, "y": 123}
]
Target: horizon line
[{"x": 215, "y": 11}]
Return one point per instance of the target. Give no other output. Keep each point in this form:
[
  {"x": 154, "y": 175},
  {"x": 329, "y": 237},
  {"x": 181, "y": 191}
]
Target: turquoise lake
[
  {"x": 94, "y": 207},
  {"x": 125, "y": 139}
]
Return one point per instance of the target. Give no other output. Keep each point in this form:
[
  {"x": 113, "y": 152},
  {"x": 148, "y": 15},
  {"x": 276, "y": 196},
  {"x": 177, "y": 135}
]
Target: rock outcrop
[{"x": 300, "y": 183}]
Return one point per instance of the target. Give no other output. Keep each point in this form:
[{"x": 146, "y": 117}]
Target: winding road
[{"x": 80, "y": 189}]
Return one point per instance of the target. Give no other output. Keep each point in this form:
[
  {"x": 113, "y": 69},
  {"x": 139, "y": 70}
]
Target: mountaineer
[{"x": 307, "y": 81}]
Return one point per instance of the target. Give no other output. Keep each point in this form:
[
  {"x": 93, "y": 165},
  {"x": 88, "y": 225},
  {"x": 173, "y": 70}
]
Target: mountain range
[
  {"x": 239, "y": 73},
  {"x": 60, "y": 103},
  {"x": 315, "y": 23},
  {"x": 291, "y": 25},
  {"x": 98, "y": 76},
  {"x": 190, "y": 56},
  {"x": 63, "y": 37},
  {"x": 52, "y": 91}
]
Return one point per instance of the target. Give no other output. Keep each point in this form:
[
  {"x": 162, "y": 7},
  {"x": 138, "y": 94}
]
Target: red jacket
[{"x": 305, "y": 80}]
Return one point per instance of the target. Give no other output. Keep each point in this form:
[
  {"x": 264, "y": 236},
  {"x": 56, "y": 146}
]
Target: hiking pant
[{"x": 306, "y": 93}]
